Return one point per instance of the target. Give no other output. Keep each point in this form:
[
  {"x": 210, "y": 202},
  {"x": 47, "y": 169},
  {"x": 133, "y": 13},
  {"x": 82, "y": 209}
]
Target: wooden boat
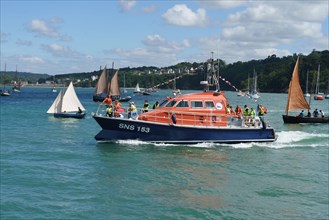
[
  {"x": 102, "y": 87},
  {"x": 187, "y": 119},
  {"x": 67, "y": 105},
  {"x": 115, "y": 93},
  {"x": 297, "y": 101}
]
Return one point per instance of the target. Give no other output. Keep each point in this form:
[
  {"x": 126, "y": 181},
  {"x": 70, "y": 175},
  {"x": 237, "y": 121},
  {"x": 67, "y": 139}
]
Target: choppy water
[{"x": 54, "y": 169}]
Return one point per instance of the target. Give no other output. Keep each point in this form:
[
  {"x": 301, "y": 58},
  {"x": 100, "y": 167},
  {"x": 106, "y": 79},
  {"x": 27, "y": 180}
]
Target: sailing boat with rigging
[
  {"x": 4, "y": 91},
  {"x": 318, "y": 95},
  {"x": 17, "y": 83},
  {"x": 253, "y": 92},
  {"x": 102, "y": 87},
  {"x": 137, "y": 89},
  {"x": 67, "y": 105},
  {"x": 53, "y": 89},
  {"x": 115, "y": 89},
  {"x": 297, "y": 101}
]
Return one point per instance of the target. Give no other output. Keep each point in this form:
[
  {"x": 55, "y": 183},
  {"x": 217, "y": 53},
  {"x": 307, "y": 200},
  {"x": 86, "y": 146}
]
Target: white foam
[{"x": 295, "y": 136}]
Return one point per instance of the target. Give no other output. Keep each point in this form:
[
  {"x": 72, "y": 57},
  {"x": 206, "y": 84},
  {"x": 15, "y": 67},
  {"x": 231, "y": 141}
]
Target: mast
[
  {"x": 317, "y": 81},
  {"x": 306, "y": 82}
]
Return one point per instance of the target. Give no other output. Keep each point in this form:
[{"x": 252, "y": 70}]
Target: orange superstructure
[{"x": 197, "y": 109}]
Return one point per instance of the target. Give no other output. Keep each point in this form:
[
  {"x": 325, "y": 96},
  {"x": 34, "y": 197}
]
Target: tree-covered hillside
[{"x": 273, "y": 73}]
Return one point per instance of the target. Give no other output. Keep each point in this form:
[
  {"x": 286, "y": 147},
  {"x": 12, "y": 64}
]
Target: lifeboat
[{"x": 187, "y": 119}]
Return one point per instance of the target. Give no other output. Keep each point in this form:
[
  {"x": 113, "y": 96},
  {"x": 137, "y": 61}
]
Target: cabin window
[
  {"x": 171, "y": 103},
  {"x": 209, "y": 104},
  {"x": 196, "y": 104},
  {"x": 163, "y": 103},
  {"x": 182, "y": 104}
]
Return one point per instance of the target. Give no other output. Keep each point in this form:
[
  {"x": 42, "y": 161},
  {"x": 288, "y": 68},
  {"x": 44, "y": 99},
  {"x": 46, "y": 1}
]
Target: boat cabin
[{"x": 202, "y": 109}]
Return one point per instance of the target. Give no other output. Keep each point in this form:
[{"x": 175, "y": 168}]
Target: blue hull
[
  {"x": 123, "y": 129},
  {"x": 70, "y": 115}
]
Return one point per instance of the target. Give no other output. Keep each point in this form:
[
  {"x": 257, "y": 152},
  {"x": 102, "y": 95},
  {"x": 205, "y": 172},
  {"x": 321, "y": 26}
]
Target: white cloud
[
  {"x": 41, "y": 27},
  {"x": 270, "y": 27},
  {"x": 127, "y": 5},
  {"x": 61, "y": 51},
  {"x": 158, "y": 51},
  {"x": 182, "y": 15},
  {"x": 222, "y": 3},
  {"x": 31, "y": 59}
]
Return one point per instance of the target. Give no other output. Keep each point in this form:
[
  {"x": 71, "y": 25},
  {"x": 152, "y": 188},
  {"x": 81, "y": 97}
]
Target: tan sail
[
  {"x": 102, "y": 84},
  {"x": 296, "y": 100},
  {"x": 115, "y": 89}
]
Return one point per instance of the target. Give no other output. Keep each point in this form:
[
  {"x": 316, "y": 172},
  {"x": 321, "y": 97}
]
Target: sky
[{"x": 58, "y": 37}]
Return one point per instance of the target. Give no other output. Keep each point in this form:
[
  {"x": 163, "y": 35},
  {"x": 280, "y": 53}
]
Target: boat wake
[
  {"x": 286, "y": 139},
  {"x": 291, "y": 139}
]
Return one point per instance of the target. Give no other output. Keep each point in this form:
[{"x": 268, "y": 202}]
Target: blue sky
[{"x": 58, "y": 37}]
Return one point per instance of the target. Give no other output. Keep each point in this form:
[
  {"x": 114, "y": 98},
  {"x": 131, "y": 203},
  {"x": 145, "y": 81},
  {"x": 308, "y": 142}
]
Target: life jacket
[
  {"x": 146, "y": 106},
  {"x": 156, "y": 105},
  {"x": 246, "y": 111},
  {"x": 252, "y": 113},
  {"x": 109, "y": 110}
]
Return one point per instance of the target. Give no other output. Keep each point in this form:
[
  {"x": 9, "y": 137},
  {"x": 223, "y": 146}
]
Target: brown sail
[
  {"x": 296, "y": 100},
  {"x": 114, "y": 88},
  {"x": 102, "y": 84}
]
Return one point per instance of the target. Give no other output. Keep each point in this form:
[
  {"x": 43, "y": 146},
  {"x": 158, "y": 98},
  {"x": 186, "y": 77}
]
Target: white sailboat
[
  {"x": 4, "y": 91},
  {"x": 67, "y": 105},
  {"x": 137, "y": 89},
  {"x": 317, "y": 94},
  {"x": 253, "y": 93},
  {"x": 54, "y": 89},
  {"x": 17, "y": 83}
]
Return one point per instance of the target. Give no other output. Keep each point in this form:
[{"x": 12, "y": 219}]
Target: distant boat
[
  {"x": 253, "y": 91},
  {"x": 67, "y": 105},
  {"x": 102, "y": 87},
  {"x": 297, "y": 101},
  {"x": 175, "y": 91},
  {"x": 17, "y": 84},
  {"x": 53, "y": 89},
  {"x": 4, "y": 91},
  {"x": 306, "y": 87},
  {"x": 115, "y": 89},
  {"x": 318, "y": 95},
  {"x": 240, "y": 93},
  {"x": 137, "y": 89}
]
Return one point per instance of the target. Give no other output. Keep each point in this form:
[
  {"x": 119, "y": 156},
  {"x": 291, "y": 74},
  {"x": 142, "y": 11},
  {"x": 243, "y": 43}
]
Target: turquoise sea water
[{"x": 54, "y": 169}]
